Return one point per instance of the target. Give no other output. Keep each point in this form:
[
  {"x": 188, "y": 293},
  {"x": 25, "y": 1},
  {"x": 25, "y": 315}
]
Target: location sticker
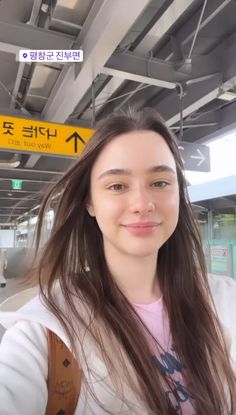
[
  {"x": 24, "y": 55},
  {"x": 46, "y": 55}
]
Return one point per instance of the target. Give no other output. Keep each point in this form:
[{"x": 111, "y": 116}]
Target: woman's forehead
[{"x": 143, "y": 149}]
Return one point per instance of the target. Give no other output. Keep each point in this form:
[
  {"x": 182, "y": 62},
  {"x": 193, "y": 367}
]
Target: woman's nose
[{"x": 142, "y": 203}]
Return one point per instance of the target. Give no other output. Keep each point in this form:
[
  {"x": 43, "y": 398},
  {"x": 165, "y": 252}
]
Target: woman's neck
[{"x": 135, "y": 276}]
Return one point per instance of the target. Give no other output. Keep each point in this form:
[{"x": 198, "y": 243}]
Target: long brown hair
[{"x": 74, "y": 257}]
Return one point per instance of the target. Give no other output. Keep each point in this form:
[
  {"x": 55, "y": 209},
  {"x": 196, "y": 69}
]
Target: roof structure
[{"x": 177, "y": 56}]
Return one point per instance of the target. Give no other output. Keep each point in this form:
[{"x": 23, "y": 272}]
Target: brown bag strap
[{"x": 64, "y": 378}]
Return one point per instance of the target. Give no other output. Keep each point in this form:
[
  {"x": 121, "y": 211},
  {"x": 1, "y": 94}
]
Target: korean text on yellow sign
[{"x": 26, "y": 135}]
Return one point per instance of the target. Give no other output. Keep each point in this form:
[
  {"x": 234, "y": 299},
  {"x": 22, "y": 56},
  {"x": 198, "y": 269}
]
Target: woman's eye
[
  {"x": 160, "y": 184},
  {"x": 116, "y": 186}
]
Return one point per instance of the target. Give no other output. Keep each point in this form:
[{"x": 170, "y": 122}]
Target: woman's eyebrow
[
  {"x": 112, "y": 172},
  {"x": 162, "y": 168},
  {"x": 155, "y": 169}
]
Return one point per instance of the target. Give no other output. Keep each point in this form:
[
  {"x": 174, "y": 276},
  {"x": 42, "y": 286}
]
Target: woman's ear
[{"x": 90, "y": 209}]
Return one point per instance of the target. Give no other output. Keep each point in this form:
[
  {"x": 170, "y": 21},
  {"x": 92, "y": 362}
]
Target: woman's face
[{"x": 134, "y": 194}]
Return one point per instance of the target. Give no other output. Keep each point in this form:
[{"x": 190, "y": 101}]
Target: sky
[{"x": 222, "y": 160}]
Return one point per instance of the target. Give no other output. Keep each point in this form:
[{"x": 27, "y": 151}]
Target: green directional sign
[{"x": 16, "y": 184}]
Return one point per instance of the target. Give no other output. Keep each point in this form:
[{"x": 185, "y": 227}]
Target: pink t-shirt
[{"x": 156, "y": 319}]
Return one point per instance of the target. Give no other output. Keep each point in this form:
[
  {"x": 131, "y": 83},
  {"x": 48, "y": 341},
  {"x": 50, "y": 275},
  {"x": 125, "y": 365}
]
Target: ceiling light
[
  {"x": 227, "y": 95},
  {"x": 13, "y": 162},
  {"x": 6, "y": 165},
  {"x": 67, "y": 3}
]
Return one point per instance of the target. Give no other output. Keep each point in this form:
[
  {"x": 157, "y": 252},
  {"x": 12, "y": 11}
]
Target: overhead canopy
[{"x": 167, "y": 54}]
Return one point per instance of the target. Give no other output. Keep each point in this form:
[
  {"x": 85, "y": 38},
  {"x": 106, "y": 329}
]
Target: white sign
[{"x": 46, "y": 55}]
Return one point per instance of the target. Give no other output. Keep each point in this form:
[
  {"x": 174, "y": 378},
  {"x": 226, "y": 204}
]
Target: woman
[{"x": 123, "y": 282}]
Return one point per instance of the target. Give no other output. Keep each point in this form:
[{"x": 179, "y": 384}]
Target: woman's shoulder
[
  {"x": 28, "y": 306},
  {"x": 19, "y": 300},
  {"x": 23, "y": 366}
]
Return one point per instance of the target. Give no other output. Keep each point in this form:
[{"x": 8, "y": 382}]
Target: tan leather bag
[{"x": 64, "y": 378}]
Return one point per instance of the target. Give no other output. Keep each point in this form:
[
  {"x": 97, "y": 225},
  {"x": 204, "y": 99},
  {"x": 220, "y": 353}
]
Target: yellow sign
[{"x": 26, "y": 135}]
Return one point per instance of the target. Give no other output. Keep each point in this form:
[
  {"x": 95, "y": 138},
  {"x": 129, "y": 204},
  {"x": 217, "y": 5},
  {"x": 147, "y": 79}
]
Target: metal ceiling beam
[
  {"x": 63, "y": 25},
  {"x": 201, "y": 93},
  {"x": 135, "y": 68},
  {"x": 9, "y": 214},
  {"x": 199, "y": 126},
  {"x": 19, "y": 170},
  {"x": 16, "y": 36},
  {"x": 32, "y": 160},
  {"x": 84, "y": 106},
  {"x": 111, "y": 22},
  {"x": 18, "y": 191},
  {"x": 226, "y": 122},
  {"x": 171, "y": 15},
  {"x": 184, "y": 35},
  {"x": 15, "y": 91},
  {"x": 159, "y": 72},
  {"x": 186, "y": 32},
  {"x": 35, "y": 12},
  {"x": 163, "y": 24},
  {"x": 28, "y": 180},
  {"x": 197, "y": 96},
  {"x": 13, "y": 207},
  {"x": 195, "y": 125},
  {"x": 17, "y": 198}
]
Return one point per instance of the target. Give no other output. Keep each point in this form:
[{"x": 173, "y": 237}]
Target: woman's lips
[{"x": 142, "y": 228}]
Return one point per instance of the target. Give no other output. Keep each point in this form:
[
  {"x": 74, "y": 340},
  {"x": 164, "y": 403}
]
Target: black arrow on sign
[{"x": 76, "y": 137}]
